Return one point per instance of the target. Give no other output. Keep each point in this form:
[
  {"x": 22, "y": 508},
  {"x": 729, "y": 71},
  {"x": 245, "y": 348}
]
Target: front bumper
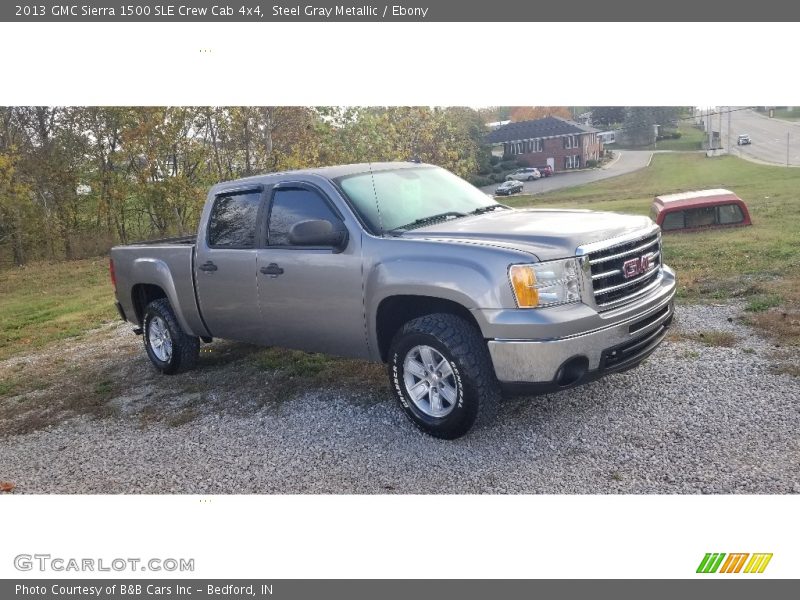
[{"x": 556, "y": 362}]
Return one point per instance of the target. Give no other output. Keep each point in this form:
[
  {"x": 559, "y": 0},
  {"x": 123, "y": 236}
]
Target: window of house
[
  {"x": 576, "y": 164},
  {"x": 290, "y": 206},
  {"x": 232, "y": 223}
]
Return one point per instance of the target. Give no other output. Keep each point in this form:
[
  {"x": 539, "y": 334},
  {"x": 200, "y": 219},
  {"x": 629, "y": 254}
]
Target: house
[{"x": 553, "y": 141}]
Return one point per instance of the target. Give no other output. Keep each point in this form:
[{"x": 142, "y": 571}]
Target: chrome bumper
[{"x": 610, "y": 348}]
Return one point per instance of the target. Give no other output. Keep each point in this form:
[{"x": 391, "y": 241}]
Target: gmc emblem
[{"x": 637, "y": 266}]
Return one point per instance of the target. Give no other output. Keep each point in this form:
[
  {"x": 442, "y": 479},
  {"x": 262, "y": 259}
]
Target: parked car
[
  {"x": 526, "y": 174},
  {"x": 546, "y": 170},
  {"x": 743, "y": 140},
  {"x": 691, "y": 211},
  {"x": 406, "y": 264},
  {"x": 509, "y": 187}
]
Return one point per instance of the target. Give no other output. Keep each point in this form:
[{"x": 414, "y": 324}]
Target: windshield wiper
[
  {"x": 428, "y": 220},
  {"x": 490, "y": 207}
]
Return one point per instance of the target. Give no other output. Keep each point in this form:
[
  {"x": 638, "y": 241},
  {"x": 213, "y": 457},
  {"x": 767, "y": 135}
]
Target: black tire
[
  {"x": 185, "y": 348},
  {"x": 531, "y": 178},
  {"x": 478, "y": 391}
]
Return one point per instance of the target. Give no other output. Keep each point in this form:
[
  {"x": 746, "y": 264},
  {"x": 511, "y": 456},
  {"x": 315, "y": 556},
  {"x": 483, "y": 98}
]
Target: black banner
[
  {"x": 407, "y": 10},
  {"x": 712, "y": 586}
]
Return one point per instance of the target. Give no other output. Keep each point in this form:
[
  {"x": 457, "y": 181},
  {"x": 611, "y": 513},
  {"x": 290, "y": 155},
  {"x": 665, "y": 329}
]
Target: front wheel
[
  {"x": 168, "y": 347},
  {"x": 442, "y": 375}
]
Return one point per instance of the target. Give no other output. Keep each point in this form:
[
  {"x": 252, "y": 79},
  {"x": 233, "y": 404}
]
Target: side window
[
  {"x": 673, "y": 220},
  {"x": 290, "y": 206},
  {"x": 232, "y": 223},
  {"x": 729, "y": 213}
]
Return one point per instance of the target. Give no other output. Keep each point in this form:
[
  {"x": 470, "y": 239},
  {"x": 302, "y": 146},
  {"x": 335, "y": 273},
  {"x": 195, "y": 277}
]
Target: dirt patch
[{"x": 106, "y": 374}]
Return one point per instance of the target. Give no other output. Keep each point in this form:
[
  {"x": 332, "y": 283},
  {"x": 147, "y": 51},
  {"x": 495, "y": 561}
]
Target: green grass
[
  {"x": 691, "y": 139},
  {"x": 760, "y": 263},
  {"x": 787, "y": 115},
  {"x": 43, "y": 302}
]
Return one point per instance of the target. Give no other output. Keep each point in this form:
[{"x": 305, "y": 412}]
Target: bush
[
  {"x": 493, "y": 160},
  {"x": 522, "y": 163},
  {"x": 497, "y": 169},
  {"x": 509, "y": 165},
  {"x": 591, "y": 163},
  {"x": 480, "y": 180},
  {"x": 497, "y": 177}
]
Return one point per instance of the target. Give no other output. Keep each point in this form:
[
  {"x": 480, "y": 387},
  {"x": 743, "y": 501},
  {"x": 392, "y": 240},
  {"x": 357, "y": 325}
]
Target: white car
[
  {"x": 743, "y": 140},
  {"x": 527, "y": 174}
]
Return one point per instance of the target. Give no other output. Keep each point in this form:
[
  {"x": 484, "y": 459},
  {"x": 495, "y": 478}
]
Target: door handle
[
  {"x": 208, "y": 266},
  {"x": 272, "y": 269}
]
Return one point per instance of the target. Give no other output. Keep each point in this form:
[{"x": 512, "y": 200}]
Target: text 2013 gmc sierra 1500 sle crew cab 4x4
[{"x": 405, "y": 263}]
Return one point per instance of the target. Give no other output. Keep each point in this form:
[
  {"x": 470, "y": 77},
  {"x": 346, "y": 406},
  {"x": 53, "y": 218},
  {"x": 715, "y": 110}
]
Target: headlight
[{"x": 545, "y": 284}]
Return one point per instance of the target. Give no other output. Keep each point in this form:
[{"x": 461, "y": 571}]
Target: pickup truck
[{"x": 407, "y": 264}]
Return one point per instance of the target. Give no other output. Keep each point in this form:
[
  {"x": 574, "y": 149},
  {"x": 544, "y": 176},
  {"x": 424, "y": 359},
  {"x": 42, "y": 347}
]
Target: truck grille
[{"x": 611, "y": 287}]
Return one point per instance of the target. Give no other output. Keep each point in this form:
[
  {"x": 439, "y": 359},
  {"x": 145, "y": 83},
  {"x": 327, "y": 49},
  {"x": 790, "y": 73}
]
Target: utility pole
[
  {"x": 787, "y": 148},
  {"x": 729, "y": 129},
  {"x": 709, "y": 127},
  {"x": 719, "y": 108}
]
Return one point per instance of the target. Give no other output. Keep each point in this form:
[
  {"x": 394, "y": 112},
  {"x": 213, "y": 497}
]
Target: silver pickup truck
[{"x": 407, "y": 264}]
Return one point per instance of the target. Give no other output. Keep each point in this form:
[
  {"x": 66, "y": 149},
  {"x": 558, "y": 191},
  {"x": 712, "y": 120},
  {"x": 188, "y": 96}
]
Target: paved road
[
  {"x": 768, "y": 135},
  {"x": 628, "y": 161}
]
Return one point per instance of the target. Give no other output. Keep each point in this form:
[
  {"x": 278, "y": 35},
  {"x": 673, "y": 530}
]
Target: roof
[
  {"x": 326, "y": 172},
  {"x": 699, "y": 197},
  {"x": 537, "y": 128}
]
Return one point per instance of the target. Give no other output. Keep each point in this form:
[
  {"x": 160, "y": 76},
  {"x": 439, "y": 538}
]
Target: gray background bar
[
  {"x": 424, "y": 10},
  {"x": 708, "y": 586}
]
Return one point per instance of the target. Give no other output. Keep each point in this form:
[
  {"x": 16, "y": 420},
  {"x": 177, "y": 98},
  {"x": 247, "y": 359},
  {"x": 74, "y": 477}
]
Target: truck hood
[{"x": 547, "y": 233}]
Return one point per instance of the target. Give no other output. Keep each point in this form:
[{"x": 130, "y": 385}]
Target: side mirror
[{"x": 319, "y": 232}]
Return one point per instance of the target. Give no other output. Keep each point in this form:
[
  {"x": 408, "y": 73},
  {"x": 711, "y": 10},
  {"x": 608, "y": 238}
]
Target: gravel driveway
[{"x": 705, "y": 414}]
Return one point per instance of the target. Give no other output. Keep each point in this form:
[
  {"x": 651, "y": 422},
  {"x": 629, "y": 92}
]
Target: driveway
[
  {"x": 626, "y": 161},
  {"x": 707, "y": 413},
  {"x": 768, "y": 135}
]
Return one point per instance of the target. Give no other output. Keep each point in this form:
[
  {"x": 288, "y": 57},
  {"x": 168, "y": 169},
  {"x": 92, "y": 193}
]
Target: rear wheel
[
  {"x": 167, "y": 346},
  {"x": 442, "y": 375}
]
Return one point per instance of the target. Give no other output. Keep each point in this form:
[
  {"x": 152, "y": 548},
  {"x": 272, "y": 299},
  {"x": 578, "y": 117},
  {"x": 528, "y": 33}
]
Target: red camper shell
[{"x": 691, "y": 211}]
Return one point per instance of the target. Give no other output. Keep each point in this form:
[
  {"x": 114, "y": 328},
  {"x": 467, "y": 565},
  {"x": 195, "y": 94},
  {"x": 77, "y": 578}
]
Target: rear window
[{"x": 232, "y": 223}]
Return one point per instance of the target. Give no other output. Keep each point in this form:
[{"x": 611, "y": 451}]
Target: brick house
[{"x": 553, "y": 141}]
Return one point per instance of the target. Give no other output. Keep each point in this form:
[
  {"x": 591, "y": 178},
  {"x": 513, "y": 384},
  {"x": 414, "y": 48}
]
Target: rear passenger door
[
  {"x": 311, "y": 298},
  {"x": 225, "y": 268}
]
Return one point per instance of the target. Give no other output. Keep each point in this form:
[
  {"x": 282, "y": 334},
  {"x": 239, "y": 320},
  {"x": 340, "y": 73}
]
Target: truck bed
[
  {"x": 166, "y": 265},
  {"x": 188, "y": 240}
]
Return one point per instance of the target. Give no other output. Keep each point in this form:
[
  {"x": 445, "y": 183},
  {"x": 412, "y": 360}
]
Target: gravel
[{"x": 694, "y": 418}]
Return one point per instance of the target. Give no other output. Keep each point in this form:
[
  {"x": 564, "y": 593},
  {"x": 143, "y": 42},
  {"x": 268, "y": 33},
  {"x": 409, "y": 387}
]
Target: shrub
[
  {"x": 497, "y": 169},
  {"x": 493, "y": 160},
  {"x": 591, "y": 163},
  {"x": 480, "y": 180},
  {"x": 521, "y": 162}
]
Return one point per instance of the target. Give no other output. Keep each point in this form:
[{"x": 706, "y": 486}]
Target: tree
[
  {"x": 606, "y": 116},
  {"x": 529, "y": 113}
]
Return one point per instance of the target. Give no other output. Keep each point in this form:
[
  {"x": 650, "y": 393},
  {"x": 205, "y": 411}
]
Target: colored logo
[
  {"x": 637, "y": 266},
  {"x": 719, "y": 562}
]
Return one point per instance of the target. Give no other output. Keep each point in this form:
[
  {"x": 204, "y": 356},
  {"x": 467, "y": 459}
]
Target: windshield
[{"x": 396, "y": 198}]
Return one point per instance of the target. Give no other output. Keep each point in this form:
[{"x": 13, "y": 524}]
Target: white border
[{"x": 395, "y": 64}]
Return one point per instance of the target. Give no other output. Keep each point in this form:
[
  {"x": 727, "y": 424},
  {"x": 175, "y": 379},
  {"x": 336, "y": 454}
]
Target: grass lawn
[
  {"x": 787, "y": 115},
  {"x": 691, "y": 139},
  {"x": 42, "y": 302},
  {"x": 760, "y": 263}
]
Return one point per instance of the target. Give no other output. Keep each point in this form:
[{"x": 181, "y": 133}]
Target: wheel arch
[{"x": 394, "y": 311}]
